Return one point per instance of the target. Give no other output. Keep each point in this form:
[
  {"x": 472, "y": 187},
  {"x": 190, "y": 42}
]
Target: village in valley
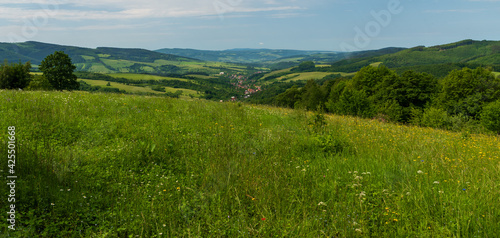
[{"x": 241, "y": 82}]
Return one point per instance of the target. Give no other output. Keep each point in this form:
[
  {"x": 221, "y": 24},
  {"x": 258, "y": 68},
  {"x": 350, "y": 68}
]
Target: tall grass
[{"x": 103, "y": 165}]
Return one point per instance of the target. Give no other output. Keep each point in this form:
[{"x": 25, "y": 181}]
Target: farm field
[
  {"x": 136, "y": 89},
  {"x": 143, "y": 77},
  {"x": 303, "y": 76},
  {"x": 309, "y": 75},
  {"x": 110, "y": 165}
]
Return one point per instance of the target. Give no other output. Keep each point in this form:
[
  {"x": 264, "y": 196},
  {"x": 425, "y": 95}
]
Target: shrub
[
  {"x": 41, "y": 83},
  {"x": 353, "y": 103},
  {"x": 490, "y": 117},
  {"x": 14, "y": 76},
  {"x": 435, "y": 117}
]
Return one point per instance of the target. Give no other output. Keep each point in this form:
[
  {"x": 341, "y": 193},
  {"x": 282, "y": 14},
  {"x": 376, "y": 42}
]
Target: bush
[
  {"x": 158, "y": 88},
  {"x": 41, "y": 83},
  {"x": 435, "y": 117},
  {"x": 14, "y": 76},
  {"x": 490, "y": 117},
  {"x": 352, "y": 103}
]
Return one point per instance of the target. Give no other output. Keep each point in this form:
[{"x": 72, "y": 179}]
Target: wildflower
[
  {"x": 321, "y": 204},
  {"x": 436, "y": 182},
  {"x": 52, "y": 204},
  {"x": 358, "y": 230},
  {"x": 304, "y": 170},
  {"x": 395, "y": 219},
  {"x": 420, "y": 172},
  {"x": 84, "y": 197},
  {"x": 362, "y": 194},
  {"x": 441, "y": 191},
  {"x": 464, "y": 189},
  {"x": 263, "y": 218}
]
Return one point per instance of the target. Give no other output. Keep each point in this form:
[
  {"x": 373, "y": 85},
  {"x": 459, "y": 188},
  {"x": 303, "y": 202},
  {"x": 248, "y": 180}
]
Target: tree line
[{"x": 464, "y": 98}]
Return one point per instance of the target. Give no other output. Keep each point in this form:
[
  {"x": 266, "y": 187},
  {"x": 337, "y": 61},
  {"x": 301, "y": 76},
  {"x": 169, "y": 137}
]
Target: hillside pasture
[
  {"x": 136, "y": 89},
  {"x": 304, "y": 76},
  {"x": 144, "y": 77},
  {"x": 128, "y": 166}
]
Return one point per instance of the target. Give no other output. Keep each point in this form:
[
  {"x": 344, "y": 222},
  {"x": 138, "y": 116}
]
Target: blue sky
[{"x": 333, "y": 25}]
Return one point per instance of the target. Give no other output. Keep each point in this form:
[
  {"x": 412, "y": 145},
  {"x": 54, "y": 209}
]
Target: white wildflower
[
  {"x": 420, "y": 172},
  {"x": 321, "y": 204}
]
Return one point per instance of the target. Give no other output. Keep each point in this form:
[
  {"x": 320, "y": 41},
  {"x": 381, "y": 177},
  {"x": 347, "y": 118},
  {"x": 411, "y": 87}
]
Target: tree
[
  {"x": 289, "y": 97},
  {"x": 58, "y": 70},
  {"x": 353, "y": 103},
  {"x": 466, "y": 91},
  {"x": 311, "y": 96},
  {"x": 369, "y": 77},
  {"x": 306, "y": 66},
  {"x": 490, "y": 116},
  {"x": 14, "y": 76}
]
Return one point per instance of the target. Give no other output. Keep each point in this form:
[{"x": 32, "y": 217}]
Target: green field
[
  {"x": 496, "y": 74},
  {"x": 144, "y": 77},
  {"x": 110, "y": 165},
  {"x": 135, "y": 89},
  {"x": 304, "y": 76}
]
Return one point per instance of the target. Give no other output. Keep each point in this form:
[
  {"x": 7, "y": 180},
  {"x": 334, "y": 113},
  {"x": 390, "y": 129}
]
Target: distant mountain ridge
[
  {"x": 242, "y": 55},
  {"x": 36, "y": 51}
]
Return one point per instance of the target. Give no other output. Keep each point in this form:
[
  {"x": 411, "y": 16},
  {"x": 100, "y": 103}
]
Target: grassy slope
[
  {"x": 303, "y": 76},
  {"x": 126, "y": 165}
]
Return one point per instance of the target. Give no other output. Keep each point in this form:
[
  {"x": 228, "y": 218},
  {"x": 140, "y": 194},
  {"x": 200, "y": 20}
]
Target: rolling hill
[
  {"x": 421, "y": 58},
  {"x": 269, "y": 57},
  {"x": 239, "y": 55},
  {"x": 113, "y": 60}
]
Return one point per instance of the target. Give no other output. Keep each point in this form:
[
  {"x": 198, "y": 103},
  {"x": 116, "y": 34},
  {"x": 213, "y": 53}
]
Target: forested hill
[
  {"x": 240, "y": 55},
  {"x": 467, "y": 52},
  {"x": 37, "y": 51}
]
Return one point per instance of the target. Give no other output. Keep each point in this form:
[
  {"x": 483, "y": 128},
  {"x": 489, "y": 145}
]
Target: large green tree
[
  {"x": 14, "y": 76},
  {"x": 58, "y": 70},
  {"x": 466, "y": 91}
]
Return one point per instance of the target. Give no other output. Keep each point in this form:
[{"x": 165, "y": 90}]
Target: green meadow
[
  {"x": 110, "y": 165},
  {"x": 136, "y": 89},
  {"x": 144, "y": 77},
  {"x": 303, "y": 76}
]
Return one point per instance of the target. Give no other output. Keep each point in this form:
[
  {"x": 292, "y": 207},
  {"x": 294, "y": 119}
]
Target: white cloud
[{"x": 128, "y": 9}]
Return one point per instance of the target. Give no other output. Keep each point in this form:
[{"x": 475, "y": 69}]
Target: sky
[{"x": 328, "y": 25}]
